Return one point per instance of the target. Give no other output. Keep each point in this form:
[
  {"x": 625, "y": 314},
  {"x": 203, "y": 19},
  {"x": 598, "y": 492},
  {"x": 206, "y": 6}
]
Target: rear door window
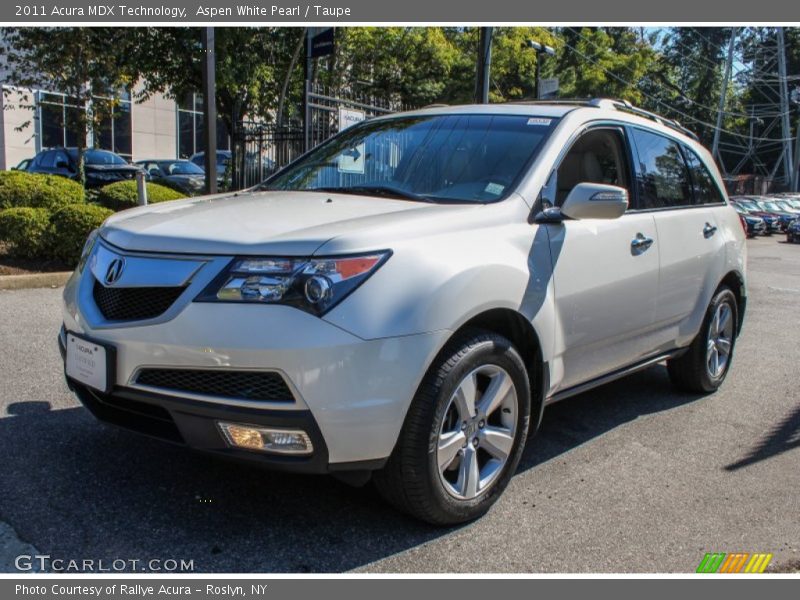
[{"x": 662, "y": 175}]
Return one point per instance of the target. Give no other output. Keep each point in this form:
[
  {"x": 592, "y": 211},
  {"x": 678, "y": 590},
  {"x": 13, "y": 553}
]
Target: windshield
[
  {"x": 456, "y": 158},
  {"x": 770, "y": 206},
  {"x": 784, "y": 205},
  {"x": 98, "y": 157},
  {"x": 181, "y": 167}
]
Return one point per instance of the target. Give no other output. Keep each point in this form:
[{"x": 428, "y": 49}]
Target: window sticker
[
  {"x": 539, "y": 121},
  {"x": 494, "y": 188}
]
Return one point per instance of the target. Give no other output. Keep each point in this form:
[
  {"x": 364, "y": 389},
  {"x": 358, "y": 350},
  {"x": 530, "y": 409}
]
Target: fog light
[{"x": 264, "y": 439}]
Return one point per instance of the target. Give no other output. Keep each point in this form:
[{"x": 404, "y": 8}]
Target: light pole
[
  {"x": 540, "y": 49},
  {"x": 795, "y": 98}
]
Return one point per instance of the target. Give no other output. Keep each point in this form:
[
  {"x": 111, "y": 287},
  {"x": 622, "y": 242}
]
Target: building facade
[{"x": 159, "y": 127}]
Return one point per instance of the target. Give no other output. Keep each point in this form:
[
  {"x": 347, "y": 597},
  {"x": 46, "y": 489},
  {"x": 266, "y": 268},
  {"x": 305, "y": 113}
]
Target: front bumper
[
  {"x": 194, "y": 424},
  {"x": 349, "y": 394}
]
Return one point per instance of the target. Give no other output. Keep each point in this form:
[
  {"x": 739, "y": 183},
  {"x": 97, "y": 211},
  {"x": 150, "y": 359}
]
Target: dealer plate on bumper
[{"x": 89, "y": 362}]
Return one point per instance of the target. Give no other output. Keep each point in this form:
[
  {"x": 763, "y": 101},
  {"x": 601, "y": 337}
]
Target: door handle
[
  {"x": 709, "y": 230},
  {"x": 640, "y": 244}
]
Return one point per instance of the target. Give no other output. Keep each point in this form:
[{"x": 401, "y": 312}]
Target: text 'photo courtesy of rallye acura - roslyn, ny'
[{"x": 402, "y": 302}]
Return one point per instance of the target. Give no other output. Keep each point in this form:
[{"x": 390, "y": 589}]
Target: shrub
[
  {"x": 18, "y": 188},
  {"x": 123, "y": 194},
  {"x": 69, "y": 228},
  {"x": 24, "y": 229}
]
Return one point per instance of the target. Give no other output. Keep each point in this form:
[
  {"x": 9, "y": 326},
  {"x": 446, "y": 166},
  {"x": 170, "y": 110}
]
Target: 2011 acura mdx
[{"x": 404, "y": 300}]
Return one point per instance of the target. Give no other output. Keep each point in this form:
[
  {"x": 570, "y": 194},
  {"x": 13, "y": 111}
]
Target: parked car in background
[
  {"x": 407, "y": 310},
  {"x": 100, "y": 166},
  {"x": 23, "y": 165},
  {"x": 756, "y": 207},
  {"x": 793, "y": 232},
  {"x": 255, "y": 172},
  {"x": 772, "y": 222},
  {"x": 223, "y": 160},
  {"x": 752, "y": 224},
  {"x": 785, "y": 205},
  {"x": 181, "y": 174}
]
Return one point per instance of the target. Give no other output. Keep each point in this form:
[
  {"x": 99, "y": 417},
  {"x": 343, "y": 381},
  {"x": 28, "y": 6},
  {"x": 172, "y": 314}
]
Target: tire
[
  {"x": 694, "y": 370},
  {"x": 412, "y": 480}
]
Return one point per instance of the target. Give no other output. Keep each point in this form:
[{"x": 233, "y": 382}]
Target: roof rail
[
  {"x": 614, "y": 104},
  {"x": 624, "y": 105}
]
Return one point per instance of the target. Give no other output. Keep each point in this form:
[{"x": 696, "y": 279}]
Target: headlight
[
  {"x": 312, "y": 284},
  {"x": 87, "y": 249}
]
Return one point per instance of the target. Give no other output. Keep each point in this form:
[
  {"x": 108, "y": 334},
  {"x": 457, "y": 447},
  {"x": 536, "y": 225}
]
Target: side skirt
[{"x": 613, "y": 376}]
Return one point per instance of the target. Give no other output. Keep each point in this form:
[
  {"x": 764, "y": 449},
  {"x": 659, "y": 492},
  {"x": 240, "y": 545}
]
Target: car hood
[{"x": 285, "y": 223}]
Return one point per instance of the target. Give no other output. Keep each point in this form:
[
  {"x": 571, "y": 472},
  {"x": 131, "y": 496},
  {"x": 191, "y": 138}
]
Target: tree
[
  {"x": 84, "y": 63},
  {"x": 408, "y": 65},
  {"x": 251, "y": 68},
  {"x": 611, "y": 62}
]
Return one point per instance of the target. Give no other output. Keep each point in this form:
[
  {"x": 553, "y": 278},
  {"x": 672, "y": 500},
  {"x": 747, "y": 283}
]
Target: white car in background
[{"x": 404, "y": 300}]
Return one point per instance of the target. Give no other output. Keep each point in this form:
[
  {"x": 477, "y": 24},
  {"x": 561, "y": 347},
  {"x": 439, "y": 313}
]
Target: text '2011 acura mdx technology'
[{"x": 404, "y": 300}]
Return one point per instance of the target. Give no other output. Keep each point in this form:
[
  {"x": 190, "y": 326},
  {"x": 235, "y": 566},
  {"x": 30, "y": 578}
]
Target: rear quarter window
[{"x": 705, "y": 187}]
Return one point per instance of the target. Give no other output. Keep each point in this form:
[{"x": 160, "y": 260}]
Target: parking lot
[{"x": 631, "y": 477}]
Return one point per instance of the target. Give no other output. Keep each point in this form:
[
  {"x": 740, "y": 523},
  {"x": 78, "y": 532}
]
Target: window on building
[
  {"x": 115, "y": 129},
  {"x": 57, "y": 116},
  {"x": 190, "y": 127},
  {"x": 59, "y": 119}
]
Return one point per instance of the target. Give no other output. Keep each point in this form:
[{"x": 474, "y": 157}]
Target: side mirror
[{"x": 595, "y": 201}]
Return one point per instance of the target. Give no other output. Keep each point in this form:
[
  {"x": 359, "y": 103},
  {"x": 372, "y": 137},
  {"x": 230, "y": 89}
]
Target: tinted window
[
  {"x": 48, "y": 160},
  {"x": 663, "y": 177},
  {"x": 705, "y": 188},
  {"x": 98, "y": 157},
  {"x": 181, "y": 167},
  {"x": 60, "y": 157},
  {"x": 462, "y": 158}
]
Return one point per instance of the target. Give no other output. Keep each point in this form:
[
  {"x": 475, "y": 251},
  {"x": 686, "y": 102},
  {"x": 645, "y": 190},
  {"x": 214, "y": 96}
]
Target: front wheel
[
  {"x": 464, "y": 433},
  {"x": 703, "y": 367}
]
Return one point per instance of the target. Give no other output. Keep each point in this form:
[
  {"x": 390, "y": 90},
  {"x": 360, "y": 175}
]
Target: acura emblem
[{"x": 114, "y": 271}]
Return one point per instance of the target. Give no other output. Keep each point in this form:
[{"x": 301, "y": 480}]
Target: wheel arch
[
  {"x": 735, "y": 281},
  {"x": 522, "y": 334}
]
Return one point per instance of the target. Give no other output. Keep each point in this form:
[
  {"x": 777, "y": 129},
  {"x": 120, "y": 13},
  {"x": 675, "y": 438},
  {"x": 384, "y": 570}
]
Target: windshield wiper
[{"x": 375, "y": 190}]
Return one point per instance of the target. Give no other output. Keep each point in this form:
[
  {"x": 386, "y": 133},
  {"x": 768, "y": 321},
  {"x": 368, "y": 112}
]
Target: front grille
[
  {"x": 240, "y": 385},
  {"x": 134, "y": 303}
]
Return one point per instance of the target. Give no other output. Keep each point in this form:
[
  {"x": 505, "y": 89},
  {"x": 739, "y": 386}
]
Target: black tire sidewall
[
  {"x": 725, "y": 295},
  {"x": 494, "y": 350}
]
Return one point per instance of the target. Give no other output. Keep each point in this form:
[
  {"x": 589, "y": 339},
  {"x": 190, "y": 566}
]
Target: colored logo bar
[{"x": 736, "y": 562}]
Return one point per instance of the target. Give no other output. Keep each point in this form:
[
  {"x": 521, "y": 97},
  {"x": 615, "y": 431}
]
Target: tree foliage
[{"x": 80, "y": 62}]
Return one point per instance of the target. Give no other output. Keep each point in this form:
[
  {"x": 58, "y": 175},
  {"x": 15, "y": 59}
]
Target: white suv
[{"x": 404, "y": 300}]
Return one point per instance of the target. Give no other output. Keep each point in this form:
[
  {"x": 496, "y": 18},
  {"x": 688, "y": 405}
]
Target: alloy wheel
[
  {"x": 720, "y": 341},
  {"x": 477, "y": 432}
]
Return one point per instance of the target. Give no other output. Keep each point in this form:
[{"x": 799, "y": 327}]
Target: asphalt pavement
[{"x": 631, "y": 477}]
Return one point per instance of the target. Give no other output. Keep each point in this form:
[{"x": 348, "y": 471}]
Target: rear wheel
[
  {"x": 464, "y": 432},
  {"x": 704, "y": 366}
]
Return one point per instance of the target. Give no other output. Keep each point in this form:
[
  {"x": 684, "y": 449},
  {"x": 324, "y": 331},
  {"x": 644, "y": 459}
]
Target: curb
[{"x": 35, "y": 280}]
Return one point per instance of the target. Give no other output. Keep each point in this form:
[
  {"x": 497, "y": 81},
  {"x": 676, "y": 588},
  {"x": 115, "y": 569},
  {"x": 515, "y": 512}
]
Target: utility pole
[
  {"x": 209, "y": 108},
  {"x": 307, "y": 90},
  {"x": 788, "y": 161},
  {"x": 722, "y": 98},
  {"x": 484, "y": 65}
]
